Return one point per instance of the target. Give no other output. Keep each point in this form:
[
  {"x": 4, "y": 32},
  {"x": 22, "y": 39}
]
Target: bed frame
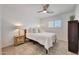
[{"x": 34, "y": 42}]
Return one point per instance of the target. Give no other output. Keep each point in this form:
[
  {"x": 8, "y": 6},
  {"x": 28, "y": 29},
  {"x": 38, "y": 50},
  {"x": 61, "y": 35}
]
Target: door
[{"x": 73, "y": 36}]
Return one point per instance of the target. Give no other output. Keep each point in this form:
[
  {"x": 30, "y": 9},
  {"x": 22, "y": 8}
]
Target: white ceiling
[{"x": 29, "y": 11}]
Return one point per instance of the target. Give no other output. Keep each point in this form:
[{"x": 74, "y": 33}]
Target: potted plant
[{"x": 72, "y": 18}]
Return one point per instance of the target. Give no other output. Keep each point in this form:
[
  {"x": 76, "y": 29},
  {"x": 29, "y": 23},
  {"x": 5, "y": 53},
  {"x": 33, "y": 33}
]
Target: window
[
  {"x": 54, "y": 24},
  {"x": 57, "y": 23},
  {"x": 51, "y": 24}
]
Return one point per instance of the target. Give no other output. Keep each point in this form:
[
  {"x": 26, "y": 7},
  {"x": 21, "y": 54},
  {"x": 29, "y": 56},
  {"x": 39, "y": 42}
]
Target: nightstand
[{"x": 19, "y": 40}]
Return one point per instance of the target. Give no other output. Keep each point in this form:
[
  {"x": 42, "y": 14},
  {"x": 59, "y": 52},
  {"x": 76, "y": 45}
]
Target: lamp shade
[{"x": 18, "y": 27}]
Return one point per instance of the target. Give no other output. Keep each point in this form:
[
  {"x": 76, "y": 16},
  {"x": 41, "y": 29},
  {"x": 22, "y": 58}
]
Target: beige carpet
[{"x": 60, "y": 48}]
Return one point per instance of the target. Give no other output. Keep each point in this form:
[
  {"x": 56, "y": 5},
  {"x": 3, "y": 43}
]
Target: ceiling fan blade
[
  {"x": 50, "y": 12},
  {"x": 45, "y": 7},
  {"x": 39, "y": 11}
]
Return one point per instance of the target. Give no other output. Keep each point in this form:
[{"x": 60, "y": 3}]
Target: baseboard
[
  {"x": 7, "y": 46},
  {"x": 63, "y": 40}
]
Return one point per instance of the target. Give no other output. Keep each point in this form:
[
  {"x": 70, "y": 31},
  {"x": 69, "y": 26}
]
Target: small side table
[{"x": 19, "y": 40}]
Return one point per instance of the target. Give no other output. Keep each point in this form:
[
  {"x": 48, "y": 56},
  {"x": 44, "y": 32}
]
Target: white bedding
[{"x": 46, "y": 39}]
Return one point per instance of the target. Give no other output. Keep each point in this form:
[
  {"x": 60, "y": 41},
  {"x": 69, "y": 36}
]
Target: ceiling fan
[{"x": 45, "y": 9}]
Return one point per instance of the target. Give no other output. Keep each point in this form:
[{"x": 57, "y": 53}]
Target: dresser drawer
[{"x": 19, "y": 40}]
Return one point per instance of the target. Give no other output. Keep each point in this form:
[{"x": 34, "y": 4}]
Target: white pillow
[
  {"x": 33, "y": 30},
  {"x": 29, "y": 30}
]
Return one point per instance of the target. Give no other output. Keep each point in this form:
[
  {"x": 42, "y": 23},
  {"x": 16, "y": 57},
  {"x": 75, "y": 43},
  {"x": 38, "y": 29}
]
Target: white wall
[
  {"x": 0, "y": 26},
  {"x": 77, "y": 12},
  {"x": 13, "y": 15},
  {"x": 62, "y": 33},
  {"x": 77, "y": 16}
]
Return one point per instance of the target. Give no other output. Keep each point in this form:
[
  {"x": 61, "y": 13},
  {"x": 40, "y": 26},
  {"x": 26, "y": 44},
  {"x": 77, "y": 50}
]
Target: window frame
[{"x": 50, "y": 26}]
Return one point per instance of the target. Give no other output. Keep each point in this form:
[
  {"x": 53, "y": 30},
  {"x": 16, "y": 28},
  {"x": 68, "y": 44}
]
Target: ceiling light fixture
[{"x": 44, "y": 11}]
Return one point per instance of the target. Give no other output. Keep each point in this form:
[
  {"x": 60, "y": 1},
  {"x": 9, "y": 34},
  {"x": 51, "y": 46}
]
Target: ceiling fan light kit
[
  {"x": 44, "y": 11},
  {"x": 45, "y": 7}
]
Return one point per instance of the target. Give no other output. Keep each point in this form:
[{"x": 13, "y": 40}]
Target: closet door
[{"x": 73, "y": 36}]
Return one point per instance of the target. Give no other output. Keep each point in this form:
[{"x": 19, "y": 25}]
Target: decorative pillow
[
  {"x": 36, "y": 29},
  {"x": 33, "y": 30},
  {"x": 29, "y": 30},
  {"x": 41, "y": 30}
]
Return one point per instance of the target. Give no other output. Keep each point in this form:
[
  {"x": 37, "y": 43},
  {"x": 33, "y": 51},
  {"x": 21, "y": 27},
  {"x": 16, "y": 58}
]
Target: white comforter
[{"x": 46, "y": 39}]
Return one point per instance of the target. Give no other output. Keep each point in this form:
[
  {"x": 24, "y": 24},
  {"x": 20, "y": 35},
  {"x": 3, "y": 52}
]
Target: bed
[{"x": 45, "y": 38}]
